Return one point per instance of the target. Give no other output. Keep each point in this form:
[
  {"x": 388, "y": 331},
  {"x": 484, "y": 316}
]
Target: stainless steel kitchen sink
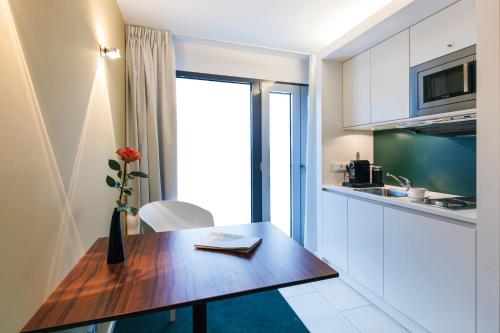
[{"x": 383, "y": 192}]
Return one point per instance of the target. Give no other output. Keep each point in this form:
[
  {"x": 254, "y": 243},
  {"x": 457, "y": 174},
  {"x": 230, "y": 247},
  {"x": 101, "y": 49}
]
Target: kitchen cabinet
[
  {"x": 365, "y": 243},
  {"x": 334, "y": 234},
  {"x": 356, "y": 90},
  {"x": 447, "y": 31},
  {"x": 390, "y": 79},
  {"x": 429, "y": 270}
]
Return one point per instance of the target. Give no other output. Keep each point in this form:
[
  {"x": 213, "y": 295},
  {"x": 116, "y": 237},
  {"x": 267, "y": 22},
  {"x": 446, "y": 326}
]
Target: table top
[{"x": 165, "y": 271}]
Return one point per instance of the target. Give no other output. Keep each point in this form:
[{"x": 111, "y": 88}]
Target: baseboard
[{"x": 391, "y": 311}]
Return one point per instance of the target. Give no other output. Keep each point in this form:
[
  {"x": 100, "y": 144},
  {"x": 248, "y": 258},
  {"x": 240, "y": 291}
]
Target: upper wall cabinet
[
  {"x": 390, "y": 79},
  {"x": 356, "y": 90},
  {"x": 376, "y": 83},
  {"x": 450, "y": 30}
]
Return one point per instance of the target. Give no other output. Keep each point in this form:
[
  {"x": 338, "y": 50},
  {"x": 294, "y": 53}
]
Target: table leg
[{"x": 200, "y": 318}]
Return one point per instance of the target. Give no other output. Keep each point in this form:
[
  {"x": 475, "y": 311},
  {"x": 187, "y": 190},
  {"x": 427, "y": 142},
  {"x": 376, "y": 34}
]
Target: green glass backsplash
[{"x": 440, "y": 164}]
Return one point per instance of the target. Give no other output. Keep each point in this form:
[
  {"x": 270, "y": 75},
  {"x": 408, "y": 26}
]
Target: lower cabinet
[
  {"x": 334, "y": 235},
  {"x": 422, "y": 265},
  {"x": 365, "y": 244},
  {"x": 429, "y": 270}
]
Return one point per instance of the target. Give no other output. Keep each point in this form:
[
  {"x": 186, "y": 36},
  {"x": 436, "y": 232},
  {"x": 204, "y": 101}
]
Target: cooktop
[{"x": 454, "y": 203}]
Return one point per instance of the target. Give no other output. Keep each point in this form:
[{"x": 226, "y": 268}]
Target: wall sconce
[{"x": 109, "y": 52}]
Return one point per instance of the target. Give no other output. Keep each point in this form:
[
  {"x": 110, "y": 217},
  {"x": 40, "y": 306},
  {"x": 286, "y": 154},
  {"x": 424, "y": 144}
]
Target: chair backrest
[{"x": 174, "y": 215}]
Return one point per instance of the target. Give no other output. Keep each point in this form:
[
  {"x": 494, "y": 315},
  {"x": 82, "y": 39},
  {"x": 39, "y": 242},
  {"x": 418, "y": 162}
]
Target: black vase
[{"x": 116, "y": 252}]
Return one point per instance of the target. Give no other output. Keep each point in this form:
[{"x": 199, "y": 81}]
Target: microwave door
[{"x": 446, "y": 84}]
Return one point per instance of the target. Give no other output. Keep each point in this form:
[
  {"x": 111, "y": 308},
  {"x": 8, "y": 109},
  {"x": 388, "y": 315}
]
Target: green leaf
[
  {"x": 119, "y": 174},
  {"x": 127, "y": 191},
  {"x": 110, "y": 181},
  {"x": 130, "y": 176},
  {"x": 120, "y": 204},
  {"x": 139, "y": 174},
  {"x": 114, "y": 165}
]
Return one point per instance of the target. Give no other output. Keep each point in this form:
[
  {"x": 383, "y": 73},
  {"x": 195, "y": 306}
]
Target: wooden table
[{"x": 165, "y": 271}]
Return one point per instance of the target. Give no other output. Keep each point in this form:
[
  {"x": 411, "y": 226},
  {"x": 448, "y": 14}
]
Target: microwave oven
[{"x": 444, "y": 84}]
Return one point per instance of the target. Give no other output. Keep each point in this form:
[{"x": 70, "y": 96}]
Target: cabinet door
[
  {"x": 334, "y": 235},
  {"x": 430, "y": 270},
  {"x": 356, "y": 90},
  {"x": 447, "y": 31},
  {"x": 390, "y": 79},
  {"x": 365, "y": 244}
]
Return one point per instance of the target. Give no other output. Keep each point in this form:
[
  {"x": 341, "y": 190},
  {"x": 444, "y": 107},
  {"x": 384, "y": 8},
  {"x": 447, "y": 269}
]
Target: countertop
[{"x": 464, "y": 215}]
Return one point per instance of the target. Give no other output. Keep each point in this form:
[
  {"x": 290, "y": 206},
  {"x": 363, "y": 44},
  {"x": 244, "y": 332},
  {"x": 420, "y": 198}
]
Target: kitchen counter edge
[{"x": 465, "y": 215}]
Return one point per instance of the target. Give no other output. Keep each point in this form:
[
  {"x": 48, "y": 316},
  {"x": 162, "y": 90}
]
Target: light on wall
[{"x": 109, "y": 52}]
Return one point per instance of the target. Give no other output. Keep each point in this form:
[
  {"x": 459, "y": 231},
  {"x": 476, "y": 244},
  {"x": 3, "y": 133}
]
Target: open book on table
[{"x": 228, "y": 242}]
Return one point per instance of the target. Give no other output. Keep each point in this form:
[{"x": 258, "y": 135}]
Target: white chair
[{"x": 167, "y": 215}]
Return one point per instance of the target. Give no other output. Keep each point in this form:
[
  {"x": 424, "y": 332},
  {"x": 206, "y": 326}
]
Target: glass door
[
  {"x": 283, "y": 153},
  {"x": 214, "y": 147},
  {"x": 241, "y": 149}
]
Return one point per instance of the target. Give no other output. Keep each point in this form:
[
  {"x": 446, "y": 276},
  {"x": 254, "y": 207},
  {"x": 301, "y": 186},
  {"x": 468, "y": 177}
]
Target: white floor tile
[
  {"x": 370, "y": 319},
  {"x": 340, "y": 294},
  {"x": 297, "y": 290},
  {"x": 318, "y": 315}
]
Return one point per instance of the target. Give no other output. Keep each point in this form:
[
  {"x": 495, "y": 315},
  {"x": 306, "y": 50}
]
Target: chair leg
[{"x": 172, "y": 315}]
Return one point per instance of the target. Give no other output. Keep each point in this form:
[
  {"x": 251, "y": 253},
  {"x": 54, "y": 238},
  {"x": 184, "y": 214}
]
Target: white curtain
[
  {"x": 151, "y": 112},
  {"x": 311, "y": 211}
]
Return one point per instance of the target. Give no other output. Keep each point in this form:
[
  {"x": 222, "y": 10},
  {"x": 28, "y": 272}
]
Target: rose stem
[{"x": 124, "y": 179}]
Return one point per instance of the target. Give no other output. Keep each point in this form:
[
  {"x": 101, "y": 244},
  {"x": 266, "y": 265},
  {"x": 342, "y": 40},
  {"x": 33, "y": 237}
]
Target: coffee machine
[{"x": 358, "y": 172}]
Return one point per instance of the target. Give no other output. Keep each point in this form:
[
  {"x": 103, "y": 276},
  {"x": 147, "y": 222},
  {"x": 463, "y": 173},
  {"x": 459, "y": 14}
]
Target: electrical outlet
[{"x": 338, "y": 166}]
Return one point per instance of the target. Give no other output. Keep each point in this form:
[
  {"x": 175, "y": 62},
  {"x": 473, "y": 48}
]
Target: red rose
[{"x": 128, "y": 154}]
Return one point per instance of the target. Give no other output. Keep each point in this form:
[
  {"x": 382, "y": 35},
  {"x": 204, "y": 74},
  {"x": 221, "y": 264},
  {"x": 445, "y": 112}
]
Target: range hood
[{"x": 460, "y": 125}]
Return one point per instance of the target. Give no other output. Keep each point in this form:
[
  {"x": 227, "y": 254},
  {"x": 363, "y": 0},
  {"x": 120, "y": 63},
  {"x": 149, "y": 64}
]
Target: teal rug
[{"x": 262, "y": 312}]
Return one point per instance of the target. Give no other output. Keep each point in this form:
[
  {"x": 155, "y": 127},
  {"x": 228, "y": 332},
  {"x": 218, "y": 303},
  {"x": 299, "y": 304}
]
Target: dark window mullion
[{"x": 256, "y": 114}]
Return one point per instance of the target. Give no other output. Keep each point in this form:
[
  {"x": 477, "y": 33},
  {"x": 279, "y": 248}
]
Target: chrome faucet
[{"x": 406, "y": 184}]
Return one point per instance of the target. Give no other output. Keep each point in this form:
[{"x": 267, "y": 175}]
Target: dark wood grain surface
[{"x": 165, "y": 271}]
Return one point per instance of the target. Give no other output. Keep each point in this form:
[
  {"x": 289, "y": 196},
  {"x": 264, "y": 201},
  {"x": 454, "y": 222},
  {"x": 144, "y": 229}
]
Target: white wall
[
  {"x": 339, "y": 145},
  {"x": 488, "y": 165},
  {"x": 62, "y": 111},
  {"x": 205, "y": 56}
]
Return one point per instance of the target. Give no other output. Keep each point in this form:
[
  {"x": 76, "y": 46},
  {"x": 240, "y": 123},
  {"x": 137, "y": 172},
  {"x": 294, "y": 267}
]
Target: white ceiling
[{"x": 302, "y": 26}]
